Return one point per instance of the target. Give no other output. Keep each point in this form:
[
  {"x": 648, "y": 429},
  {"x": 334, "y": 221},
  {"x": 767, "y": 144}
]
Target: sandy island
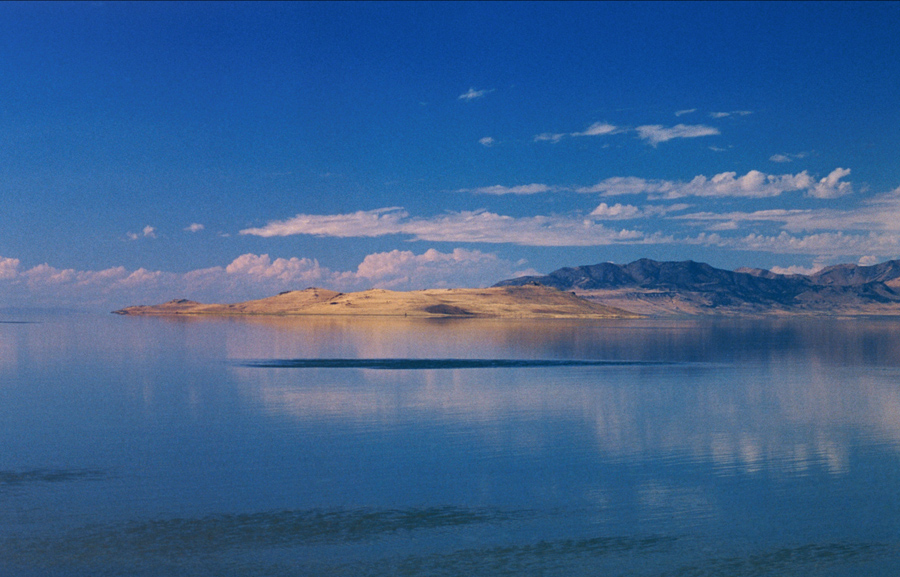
[{"x": 525, "y": 302}]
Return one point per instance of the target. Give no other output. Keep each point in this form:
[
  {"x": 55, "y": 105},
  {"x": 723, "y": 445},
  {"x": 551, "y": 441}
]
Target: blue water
[{"x": 156, "y": 447}]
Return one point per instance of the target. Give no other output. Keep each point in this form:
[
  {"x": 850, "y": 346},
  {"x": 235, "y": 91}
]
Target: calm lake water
[{"x": 155, "y": 447}]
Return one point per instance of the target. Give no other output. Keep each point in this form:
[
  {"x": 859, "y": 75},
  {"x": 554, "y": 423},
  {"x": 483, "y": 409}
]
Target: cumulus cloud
[
  {"x": 9, "y": 267},
  {"x": 486, "y": 141},
  {"x": 500, "y": 190},
  {"x": 831, "y": 186},
  {"x": 194, "y": 227},
  {"x": 754, "y": 184},
  {"x": 465, "y": 226},
  {"x": 472, "y": 94},
  {"x": 248, "y": 276},
  {"x": 432, "y": 269},
  {"x": 656, "y": 133}
]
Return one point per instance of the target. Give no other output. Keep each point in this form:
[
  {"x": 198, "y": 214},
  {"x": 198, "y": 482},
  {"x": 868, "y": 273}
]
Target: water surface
[{"x": 151, "y": 446}]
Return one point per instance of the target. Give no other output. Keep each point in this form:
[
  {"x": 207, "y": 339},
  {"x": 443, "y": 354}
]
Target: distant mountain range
[{"x": 676, "y": 288}]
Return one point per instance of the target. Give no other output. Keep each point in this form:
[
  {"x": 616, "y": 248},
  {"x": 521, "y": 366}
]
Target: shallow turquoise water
[{"x": 147, "y": 447}]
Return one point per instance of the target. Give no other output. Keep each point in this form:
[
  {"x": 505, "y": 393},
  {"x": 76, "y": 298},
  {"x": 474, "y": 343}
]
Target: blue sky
[{"x": 224, "y": 151}]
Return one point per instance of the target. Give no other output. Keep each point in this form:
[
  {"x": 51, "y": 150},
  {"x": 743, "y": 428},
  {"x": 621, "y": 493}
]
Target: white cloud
[
  {"x": 194, "y": 227},
  {"x": 368, "y": 223},
  {"x": 486, "y": 141},
  {"x": 465, "y": 226},
  {"x": 686, "y": 111},
  {"x": 598, "y": 129},
  {"x": 787, "y": 157},
  {"x": 878, "y": 214},
  {"x": 148, "y": 232},
  {"x": 868, "y": 260},
  {"x": 627, "y": 211},
  {"x": 499, "y": 189},
  {"x": 831, "y": 186},
  {"x": 248, "y": 276},
  {"x": 595, "y": 129},
  {"x": 261, "y": 267},
  {"x": 832, "y": 244},
  {"x": 616, "y": 211},
  {"x": 656, "y": 133},
  {"x": 549, "y": 137},
  {"x": 405, "y": 270},
  {"x": 732, "y": 113},
  {"x": 472, "y": 94},
  {"x": 754, "y": 184},
  {"x": 789, "y": 270},
  {"x": 9, "y": 267}
]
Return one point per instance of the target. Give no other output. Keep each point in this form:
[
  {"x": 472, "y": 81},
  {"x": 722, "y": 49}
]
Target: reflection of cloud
[{"x": 791, "y": 413}]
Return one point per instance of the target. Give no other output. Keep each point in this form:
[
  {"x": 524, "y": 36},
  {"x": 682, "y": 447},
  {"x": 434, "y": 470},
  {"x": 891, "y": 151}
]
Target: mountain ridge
[{"x": 646, "y": 286}]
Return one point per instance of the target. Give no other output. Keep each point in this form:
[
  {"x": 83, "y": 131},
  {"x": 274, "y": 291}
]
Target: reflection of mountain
[
  {"x": 688, "y": 287},
  {"x": 777, "y": 396}
]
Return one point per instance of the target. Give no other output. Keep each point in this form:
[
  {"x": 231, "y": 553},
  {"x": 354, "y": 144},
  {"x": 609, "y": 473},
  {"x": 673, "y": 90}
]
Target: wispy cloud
[
  {"x": 686, "y": 111},
  {"x": 194, "y": 227},
  {"x": 732, "y": 113},
  {"x": 466, "y": 226},
  {"x": 473, "y": 94},
  {"x": 878, "y": 214},
  {"x": 595, "y": 129},
  {"x": 754, "y": 184},
  {"x": 486, "y": 141},
  {"x": 501, "y": 190},
  {"x": 787, "y": 157},
  {"x": 550, "y": 137},
  {"x": 598, "y": 129},
  {"x": 657, "y": 133},
  {"x": 620, "y": 211}
]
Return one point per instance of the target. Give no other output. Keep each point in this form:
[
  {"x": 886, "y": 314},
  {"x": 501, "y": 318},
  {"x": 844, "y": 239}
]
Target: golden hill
[{"x": 498, "y": 302}]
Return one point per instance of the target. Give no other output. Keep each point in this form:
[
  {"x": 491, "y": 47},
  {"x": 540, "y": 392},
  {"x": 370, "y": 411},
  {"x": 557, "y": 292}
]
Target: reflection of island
[{"x": 505, "y": 302}]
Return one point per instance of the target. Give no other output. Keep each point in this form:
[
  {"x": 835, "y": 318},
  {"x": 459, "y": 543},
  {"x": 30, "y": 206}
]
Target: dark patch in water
[
  {"x": 180, "y": 537},
  {"x": 418, "y": 364},
  {"x": 49, "y": 476}
]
